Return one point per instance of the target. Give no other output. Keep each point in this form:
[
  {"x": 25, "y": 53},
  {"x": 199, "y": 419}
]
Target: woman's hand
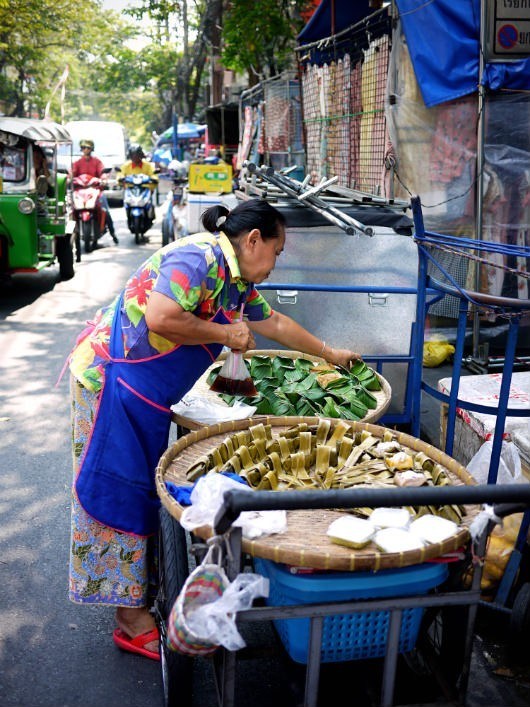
[
  {"x": 340, "y": 357},
  {"x": 239, "y": 337}
]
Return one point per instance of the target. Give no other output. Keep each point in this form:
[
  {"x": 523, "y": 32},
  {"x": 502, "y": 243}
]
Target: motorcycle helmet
[
  {"x": 86, "y": 143},
  {"x": 136, "y": 151}
]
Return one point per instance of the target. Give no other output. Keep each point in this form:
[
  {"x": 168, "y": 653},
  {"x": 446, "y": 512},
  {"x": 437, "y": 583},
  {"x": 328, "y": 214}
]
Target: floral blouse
[{"x": 192, "y": 271}]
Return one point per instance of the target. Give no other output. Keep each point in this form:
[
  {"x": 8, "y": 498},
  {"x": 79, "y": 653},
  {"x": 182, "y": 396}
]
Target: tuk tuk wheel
[
  {"x": 65, "y": 257},
  {"x": 173, "y": 572}
]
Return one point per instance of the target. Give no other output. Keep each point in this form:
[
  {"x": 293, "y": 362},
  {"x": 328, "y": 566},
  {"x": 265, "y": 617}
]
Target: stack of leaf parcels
[
  {"x": 323, "y": 456},
  {"x": 289, "y": 386}
]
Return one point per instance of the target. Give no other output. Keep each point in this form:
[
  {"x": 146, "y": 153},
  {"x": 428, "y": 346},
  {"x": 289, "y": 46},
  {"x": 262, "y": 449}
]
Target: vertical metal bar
[
  {"x": 229, "y": 660},
  {"x": 392, "y": 649},
  {"x": 480, "y": 553},
  {"x": 419, "y": 328},
  {"x": 228, "y": 685},
  {"x": 480, "y": 163},
  {"x": 504, "y": 395},
  {"x": 312, "y": 675},
  {"x": 455, "y": 378}
]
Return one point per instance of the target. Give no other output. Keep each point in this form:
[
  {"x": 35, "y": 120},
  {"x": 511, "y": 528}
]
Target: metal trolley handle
[{"x": 513, "y": 499}]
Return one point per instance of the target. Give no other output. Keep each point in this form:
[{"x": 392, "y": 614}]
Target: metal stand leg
[{"x": 389, "y": 672}]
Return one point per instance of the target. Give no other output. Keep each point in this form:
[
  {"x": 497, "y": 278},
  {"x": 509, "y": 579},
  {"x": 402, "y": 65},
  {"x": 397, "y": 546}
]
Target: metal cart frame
[
  {"x": 434, "y": 282},
  {"x": 509, "y": 501}
]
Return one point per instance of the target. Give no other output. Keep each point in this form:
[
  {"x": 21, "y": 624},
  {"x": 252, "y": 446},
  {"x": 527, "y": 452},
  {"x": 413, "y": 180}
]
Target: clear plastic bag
[
  {"x": 207, "y": 497},
  {"x": 203, "y": 616},
  {"x": 509, "y": 464},
  {"x": 209, "y": 412},
  {"x": 234, "y": 377},
  {"x": 215, "y": 622}
]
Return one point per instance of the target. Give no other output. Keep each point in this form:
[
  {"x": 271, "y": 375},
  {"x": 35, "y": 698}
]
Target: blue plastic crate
[{"x": 348, "y": 636}]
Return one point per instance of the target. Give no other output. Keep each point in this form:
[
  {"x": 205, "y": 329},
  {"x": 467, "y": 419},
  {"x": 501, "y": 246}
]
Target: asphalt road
[{"x": 52, "y": 652}]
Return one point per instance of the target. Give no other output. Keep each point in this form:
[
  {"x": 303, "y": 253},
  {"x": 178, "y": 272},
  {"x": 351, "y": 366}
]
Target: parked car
[
  {"x": 35, "y": 228},
  {"x": 110, "y": 145}
]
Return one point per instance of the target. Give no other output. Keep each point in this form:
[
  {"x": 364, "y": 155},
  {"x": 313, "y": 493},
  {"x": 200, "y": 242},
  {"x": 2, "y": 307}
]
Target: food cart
[{"x": 441, "y": 619}]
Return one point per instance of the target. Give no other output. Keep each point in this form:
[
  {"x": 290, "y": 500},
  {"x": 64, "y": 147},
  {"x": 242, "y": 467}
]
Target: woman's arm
[
  {"x": 287, "y": 332},
  {"x": 168, "y": 319}
]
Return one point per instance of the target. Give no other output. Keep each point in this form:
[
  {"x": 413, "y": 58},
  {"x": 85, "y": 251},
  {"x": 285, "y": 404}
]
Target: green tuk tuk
[{"x": 35, "y": 228}]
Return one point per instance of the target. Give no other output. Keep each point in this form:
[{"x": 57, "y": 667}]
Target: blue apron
[{"x": 116, "y": 483}]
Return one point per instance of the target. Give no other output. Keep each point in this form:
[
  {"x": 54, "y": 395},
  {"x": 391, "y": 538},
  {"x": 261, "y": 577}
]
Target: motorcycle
[
  {"x": 173, "y": 223},
  {"x": 138, "y": 202},
  {"x": 90, "y": 217}
]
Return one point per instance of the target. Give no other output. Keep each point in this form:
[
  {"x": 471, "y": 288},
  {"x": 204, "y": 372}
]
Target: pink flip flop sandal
[{"x": 137, "y": 644}]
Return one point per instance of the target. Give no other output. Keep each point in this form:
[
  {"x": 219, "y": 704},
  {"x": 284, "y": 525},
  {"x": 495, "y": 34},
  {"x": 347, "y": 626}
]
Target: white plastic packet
[
  {"x": 209, "y": 412},
  {"x": 216, "y": 622},
  {"x": 397, "y": 540},
  {"x": 351, "y": 531},
  {"x": 207, "y": 497},
  {"x": 390, "y": 517},
  {"x": 433, "y": 529}
]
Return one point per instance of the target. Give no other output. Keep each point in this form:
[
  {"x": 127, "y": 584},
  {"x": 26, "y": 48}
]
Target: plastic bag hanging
[{"x": 234, "y": 377}]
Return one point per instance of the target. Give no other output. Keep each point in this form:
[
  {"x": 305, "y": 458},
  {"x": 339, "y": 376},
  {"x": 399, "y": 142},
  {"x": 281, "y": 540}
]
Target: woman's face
[{"x": 257, "y": 257}]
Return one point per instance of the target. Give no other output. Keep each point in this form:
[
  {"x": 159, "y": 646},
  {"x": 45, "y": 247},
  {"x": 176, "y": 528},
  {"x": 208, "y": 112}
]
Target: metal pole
[{"x": 480, "y": 165}]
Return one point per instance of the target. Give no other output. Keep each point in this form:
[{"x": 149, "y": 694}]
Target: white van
[{"x": 110, "y": 145}]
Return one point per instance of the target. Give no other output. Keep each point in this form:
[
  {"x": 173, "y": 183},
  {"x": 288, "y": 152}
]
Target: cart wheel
[
  {"x": 520, "y": 616},
  {"x": 440, "y": 644},
  {"x": 173, "y": 572}
]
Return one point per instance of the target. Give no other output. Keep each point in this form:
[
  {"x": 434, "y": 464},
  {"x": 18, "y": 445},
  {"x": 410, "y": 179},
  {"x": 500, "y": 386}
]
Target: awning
[
  {"x": 185, "y": 131},
  {"x": 332, "y": 16},
  {"x": 35, "y": 129},
  {"x": 443, "y": 39}
]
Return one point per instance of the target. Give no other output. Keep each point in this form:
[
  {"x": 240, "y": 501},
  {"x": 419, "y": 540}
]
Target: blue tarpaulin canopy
[
  {"x": 443, "y": 39},
  {"x": 331, "y": 17}
]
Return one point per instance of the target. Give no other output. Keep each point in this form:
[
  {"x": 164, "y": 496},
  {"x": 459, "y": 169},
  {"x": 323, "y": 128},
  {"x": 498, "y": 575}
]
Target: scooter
[
  {"x": 173, "y": 225},
  {"x": 138, "y": 202},
  {"x": 90, "y": 217}
]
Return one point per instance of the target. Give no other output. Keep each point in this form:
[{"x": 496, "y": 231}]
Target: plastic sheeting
[
  {"x": 436, "y": 152},
  {"x": 443, "y": 39}
]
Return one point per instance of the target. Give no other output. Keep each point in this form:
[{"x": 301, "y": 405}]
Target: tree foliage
[
  {"x": 142, "y": 67},
  {"x": 37, "y": 39},
  {"x": 259, "y": 37}
]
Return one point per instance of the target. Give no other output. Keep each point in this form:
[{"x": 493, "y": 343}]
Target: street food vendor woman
[{"x": 139, "y": 357}]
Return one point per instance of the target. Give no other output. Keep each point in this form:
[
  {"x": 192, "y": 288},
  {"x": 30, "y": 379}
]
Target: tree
[
  {"x": 37, "y": 39},
  {"x": 259, "y": 37}
]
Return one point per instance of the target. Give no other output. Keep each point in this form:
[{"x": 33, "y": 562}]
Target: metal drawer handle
[
  {"x": 286, "y": 296},
  {"x": 377, "y": 300}
]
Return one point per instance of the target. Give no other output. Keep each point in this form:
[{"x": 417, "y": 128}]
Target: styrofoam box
[
  {"x": 197, "y": 205},
  {"x": 348, "y": 636}
]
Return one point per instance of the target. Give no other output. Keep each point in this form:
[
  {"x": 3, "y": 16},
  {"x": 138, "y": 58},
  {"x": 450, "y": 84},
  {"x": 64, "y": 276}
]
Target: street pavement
[{"x": 57, "y": 654}]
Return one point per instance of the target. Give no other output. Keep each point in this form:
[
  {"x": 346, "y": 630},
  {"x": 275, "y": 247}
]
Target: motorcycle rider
[
  {"x": 136, "y": 164},
  {"x": 92, "y": 165}
]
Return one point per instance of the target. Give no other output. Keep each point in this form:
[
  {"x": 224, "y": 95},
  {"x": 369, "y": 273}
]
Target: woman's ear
[{"x": 252, "y": 238}]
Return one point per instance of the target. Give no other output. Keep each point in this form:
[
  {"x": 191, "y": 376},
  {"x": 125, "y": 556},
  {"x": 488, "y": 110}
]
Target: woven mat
[
  {"x": 305, "y": 543},
  {"x": 202, "y": 389}
]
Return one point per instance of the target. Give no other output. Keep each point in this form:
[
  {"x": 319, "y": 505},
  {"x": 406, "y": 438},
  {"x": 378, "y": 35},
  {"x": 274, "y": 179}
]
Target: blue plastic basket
[{"x": 348, "y": 636}]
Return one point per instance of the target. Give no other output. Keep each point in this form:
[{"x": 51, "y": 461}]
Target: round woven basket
[
  {"x": 202, "y": 389},
  {"x": 305, "y": 542}
]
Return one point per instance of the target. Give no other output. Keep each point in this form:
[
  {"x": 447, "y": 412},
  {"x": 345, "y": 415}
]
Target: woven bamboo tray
[
  {"x": 305, "y": 543},
  {"x": 202, "y": 389}
]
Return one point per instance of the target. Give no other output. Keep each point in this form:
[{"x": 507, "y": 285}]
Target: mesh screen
[{"x": 343, "y": 96}]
